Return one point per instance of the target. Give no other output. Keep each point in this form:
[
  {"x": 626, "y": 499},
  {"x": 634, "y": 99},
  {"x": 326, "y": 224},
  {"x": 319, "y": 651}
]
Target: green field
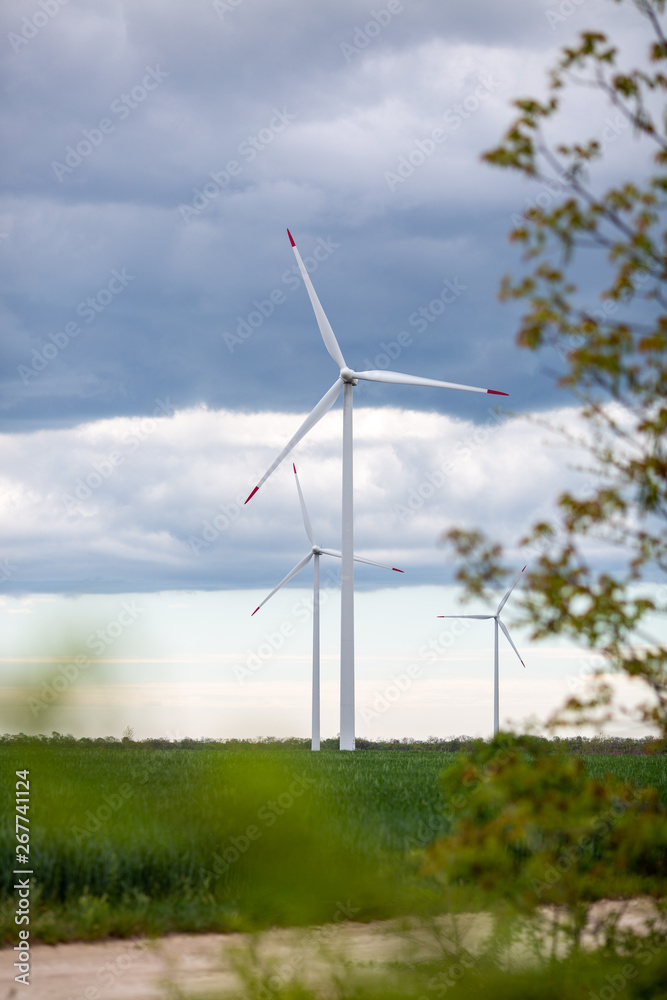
[{"x": 126, "y": 839}]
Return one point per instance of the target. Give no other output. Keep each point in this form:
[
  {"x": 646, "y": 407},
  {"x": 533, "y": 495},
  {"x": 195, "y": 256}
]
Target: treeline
[{"x": 579, "y": 745}]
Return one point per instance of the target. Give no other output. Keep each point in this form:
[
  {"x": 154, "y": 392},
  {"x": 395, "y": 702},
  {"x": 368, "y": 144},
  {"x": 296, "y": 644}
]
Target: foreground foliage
[
  {"x": 534, "y": 830},
  {"x": 606, "y": 319}
]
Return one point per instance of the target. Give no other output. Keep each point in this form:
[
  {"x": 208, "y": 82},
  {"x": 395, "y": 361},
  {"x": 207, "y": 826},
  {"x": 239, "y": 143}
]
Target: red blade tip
[
  {"x": 397, "y": 570},
  {"x": 524, "y": 567},
  {"x": 255, "y": 611},
  {"x": 290, "y": 238},
  {"x": 496, "y": 392},
  {"x": 251, "y": 495},
  {"x": 294, "y": 467}
]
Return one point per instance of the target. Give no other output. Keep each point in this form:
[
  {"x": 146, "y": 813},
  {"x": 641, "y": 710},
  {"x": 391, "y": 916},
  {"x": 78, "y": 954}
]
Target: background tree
[{"x": 611, "y": 335}]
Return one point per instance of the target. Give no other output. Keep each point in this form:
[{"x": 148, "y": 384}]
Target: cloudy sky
[{"x": 159, "y": 349}]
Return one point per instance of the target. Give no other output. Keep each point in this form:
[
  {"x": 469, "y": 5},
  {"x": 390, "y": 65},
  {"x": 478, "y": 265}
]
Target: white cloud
[{"x": 158, "y": 501}]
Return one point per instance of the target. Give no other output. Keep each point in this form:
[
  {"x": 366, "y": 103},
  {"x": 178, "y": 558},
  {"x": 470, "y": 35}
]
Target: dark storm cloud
[
  {"x": 155, "y": 152},
  {"x": 173, "y": 143}
]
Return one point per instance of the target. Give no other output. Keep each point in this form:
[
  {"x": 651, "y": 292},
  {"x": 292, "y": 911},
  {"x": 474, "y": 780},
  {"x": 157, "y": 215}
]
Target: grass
[
  {"x": 127, "y": 839},
  {"x": 643, "y": 772}
]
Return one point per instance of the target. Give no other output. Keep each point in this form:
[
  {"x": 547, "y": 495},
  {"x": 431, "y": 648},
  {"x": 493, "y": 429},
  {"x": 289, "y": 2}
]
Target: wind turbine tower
[{"x": 347, "y": 380}]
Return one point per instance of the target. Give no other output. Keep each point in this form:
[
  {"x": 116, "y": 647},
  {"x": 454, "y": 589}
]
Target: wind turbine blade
[
  {"x": 297, "y": 569},
  {"x": 481, "y": 618},
  {"x": 328, "y": 336},
  {"x": 504, "y": 600},
  {"x": 325, "y": 404},
  {"x": 304, "y": 510},
  {"x": 399, "y": 378},
  {"x": 369, "y": 562},
  {"x": 509, "y": 639}
]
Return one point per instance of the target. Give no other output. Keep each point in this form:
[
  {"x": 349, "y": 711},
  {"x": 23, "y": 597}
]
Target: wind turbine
[
  {"x": 346, "y": 380},
  {"x": 497, "y": 624},
  {"x": 314, "y": 554}
]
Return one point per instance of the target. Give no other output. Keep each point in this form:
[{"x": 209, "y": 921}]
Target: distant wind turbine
[
  {"x": 315, "y": 553},
  {"x": 346, "y": 380},
  {"x": 497, "y": 623}
]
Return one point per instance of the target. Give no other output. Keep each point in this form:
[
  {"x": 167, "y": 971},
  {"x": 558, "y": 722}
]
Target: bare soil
[{"x": 207, "y": 964}]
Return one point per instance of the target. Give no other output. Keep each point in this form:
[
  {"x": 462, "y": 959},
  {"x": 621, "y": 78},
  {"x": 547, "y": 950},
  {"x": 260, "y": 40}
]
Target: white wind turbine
[
  {"x": 314, "y": 554},
  {"x": 497, "y": 624},
  {"x": 346, "y": 380}
]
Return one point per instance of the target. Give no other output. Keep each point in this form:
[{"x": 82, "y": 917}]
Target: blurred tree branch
[{"x": 614, "y": 355}]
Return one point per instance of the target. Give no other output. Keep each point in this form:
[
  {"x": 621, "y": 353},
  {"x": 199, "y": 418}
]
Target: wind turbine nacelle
[{"x": 348, "y": 375}]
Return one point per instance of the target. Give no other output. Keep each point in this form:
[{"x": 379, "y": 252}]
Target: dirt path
[{"x": 141, "y": 969}]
